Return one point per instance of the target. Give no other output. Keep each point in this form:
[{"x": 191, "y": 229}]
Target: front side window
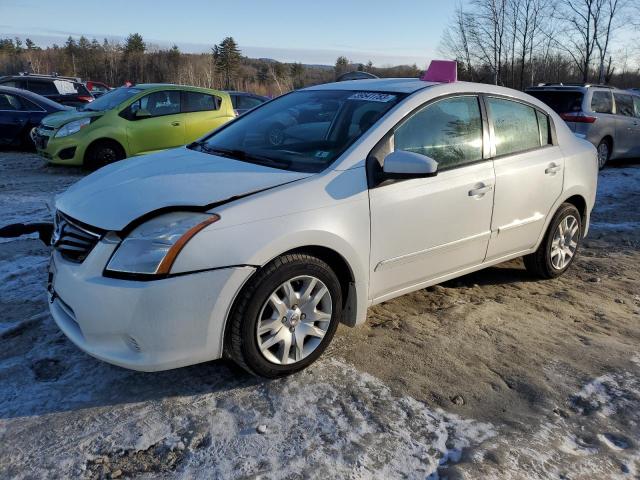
[
  {"x": 9, "y": 102},
  {"x": 602, "y": 102},
  {"x": 303, "y": 131},
  {"x": 624, "y": 104},
  {"x": 199, "y": 102},
  {"x": 158, "y": 104},
  {"x": 515, "y": 126},
  {"x": 448, "y": 131}
]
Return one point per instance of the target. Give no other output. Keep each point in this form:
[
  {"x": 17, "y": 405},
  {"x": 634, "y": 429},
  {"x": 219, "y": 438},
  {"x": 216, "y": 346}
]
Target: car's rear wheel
[
  {"x": 103, "y": 153},
  {"x": 604, "y": 153},
  {"x": 285, "y": 316},
  {"x": 559, "y": 246}
]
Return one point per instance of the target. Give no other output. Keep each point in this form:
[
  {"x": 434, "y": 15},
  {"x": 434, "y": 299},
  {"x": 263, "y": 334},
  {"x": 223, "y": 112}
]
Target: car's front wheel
[
  {"x": 559, "y": 246},
  {"x": 103, "y": 153},
  {"x": 285, "y": 316}
]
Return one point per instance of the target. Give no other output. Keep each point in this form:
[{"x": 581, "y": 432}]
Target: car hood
[
  {"x": 118, "y": 194},
  {"x": 56, "y": 120}
]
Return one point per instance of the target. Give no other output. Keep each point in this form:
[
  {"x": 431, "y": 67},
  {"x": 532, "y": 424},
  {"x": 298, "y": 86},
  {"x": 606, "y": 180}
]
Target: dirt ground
[{"x": 493, "y": 375}]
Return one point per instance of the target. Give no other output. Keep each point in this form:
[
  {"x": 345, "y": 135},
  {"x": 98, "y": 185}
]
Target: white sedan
[{"x": 256, "y": 246}]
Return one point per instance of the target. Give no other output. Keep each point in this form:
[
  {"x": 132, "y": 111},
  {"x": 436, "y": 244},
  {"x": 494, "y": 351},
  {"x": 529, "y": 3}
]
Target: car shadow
[{"x": 509, "y": 272}]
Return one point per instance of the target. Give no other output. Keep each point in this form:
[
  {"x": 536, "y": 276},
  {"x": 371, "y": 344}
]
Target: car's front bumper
[
  {"x": 143, "y": 325},
  {"x": 63, "y": 151}
]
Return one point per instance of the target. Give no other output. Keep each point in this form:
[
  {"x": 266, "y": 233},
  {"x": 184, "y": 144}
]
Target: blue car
[{"x": 21, "y": 111}]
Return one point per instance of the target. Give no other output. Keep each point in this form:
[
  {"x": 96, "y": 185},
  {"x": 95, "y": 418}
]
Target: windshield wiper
[{"x": 238, "y": 154}]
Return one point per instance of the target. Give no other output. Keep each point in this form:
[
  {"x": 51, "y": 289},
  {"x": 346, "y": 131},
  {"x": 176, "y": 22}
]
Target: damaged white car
[{"x": 258, "y": 240}]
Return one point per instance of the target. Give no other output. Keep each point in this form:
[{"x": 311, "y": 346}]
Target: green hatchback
[{"x": 131, "y": 121}]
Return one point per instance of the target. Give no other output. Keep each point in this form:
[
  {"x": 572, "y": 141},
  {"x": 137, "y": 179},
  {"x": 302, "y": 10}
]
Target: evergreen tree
[{"x": 227, "y": 58}]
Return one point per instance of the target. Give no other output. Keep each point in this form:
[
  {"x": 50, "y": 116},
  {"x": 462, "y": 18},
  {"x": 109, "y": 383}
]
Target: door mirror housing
[
  {"x": 142, "y": 113},
  {"x": 402, "y": 164}
]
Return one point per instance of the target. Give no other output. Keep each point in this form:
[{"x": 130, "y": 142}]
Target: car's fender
[{"x": 329, "y": 210}]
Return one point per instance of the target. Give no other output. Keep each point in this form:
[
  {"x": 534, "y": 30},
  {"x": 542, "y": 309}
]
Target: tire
[
  {"x": 103, "y": 153},
  {"x": 548, "y": 261},
  {"x": 604, "y": 152},
  {"x": 254, "y": 308}
]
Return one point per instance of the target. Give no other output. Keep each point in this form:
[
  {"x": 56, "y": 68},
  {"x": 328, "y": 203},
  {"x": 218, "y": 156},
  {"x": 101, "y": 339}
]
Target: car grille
[
  {"x": 41, "y": 136},
  {"x": 74, "y": 242}
]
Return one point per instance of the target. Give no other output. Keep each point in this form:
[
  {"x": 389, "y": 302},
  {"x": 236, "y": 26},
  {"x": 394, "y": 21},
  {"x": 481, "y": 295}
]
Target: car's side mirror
[
  {"x": 142, "y": 113},
  {"x": 402, "y": 164}
]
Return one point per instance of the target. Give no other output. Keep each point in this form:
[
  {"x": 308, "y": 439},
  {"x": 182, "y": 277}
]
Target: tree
[
  {"x": 227, "y": 57},
  {"x": 134, "y": 44},
  {"x": 297, "y": 72},
  {"x": 342, "y": 65},
  {"x": 611, "y": 11}
]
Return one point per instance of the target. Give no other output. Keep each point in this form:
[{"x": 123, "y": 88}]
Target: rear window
[
  {"x": 564, "y": 101},
  {"x": 602, "y": 102}
]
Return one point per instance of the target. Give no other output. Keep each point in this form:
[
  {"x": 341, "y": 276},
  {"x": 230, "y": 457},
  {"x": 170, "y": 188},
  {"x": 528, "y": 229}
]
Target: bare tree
[{"x": 609, "y": 16}]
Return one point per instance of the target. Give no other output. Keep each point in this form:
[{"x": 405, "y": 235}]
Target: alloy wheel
[
  {"x": 565, "y": 242},
  {"x": 603, "y": 154},
  {"x": 294, "y": 320}
]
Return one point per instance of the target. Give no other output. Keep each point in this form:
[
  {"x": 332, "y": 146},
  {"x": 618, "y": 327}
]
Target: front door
[
  {"x": 155, "y": 122},
  {"x": 529, "y": 175},
  {"x": 627, "y": 128},
  {"x": 423, "y": 229}
]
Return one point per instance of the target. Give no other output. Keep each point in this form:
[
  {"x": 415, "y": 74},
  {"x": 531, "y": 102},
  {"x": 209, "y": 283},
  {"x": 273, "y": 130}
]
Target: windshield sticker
[
  {"x": 322, "y": 154},
  {"x": 372, "y": 97}
]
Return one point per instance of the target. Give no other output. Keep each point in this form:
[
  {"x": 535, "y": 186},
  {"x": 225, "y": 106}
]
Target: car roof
[
  {"x": 397, "y": 85},
  {"x": 173, "y": 86}
]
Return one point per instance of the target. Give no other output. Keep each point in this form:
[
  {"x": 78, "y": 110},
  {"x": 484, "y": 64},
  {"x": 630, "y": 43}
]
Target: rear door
[
  {"x": 529, "y": 175},
  {"x": 162, "y": 125},
  {"x": 202, "y": 113},
  {"x": 627, "y": 128}
]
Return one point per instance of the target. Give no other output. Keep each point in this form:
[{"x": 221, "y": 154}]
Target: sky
[{"x": 311, "y": 32}]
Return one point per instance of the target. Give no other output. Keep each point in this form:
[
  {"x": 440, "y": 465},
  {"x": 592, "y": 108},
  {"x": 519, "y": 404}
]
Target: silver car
[{"x": 606, "y": 116}]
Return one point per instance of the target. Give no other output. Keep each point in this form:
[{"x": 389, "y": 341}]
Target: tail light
[
  {"x": 578, "y": 117},
  {"x": 85, "y": 98}
]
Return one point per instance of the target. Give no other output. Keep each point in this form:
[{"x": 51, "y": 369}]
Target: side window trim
[{"x": 552, "y": 128}]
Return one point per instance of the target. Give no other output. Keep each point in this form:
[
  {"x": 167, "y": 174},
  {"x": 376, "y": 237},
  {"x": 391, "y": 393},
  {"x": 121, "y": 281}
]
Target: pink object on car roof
[{"x": 442, "y": 71}]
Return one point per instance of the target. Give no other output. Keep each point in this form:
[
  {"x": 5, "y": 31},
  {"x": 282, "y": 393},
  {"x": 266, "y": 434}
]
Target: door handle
[
  {"x": 552, "y": 169},
  {"x": 175, "y": 124},
  {"x": 480, "y": 190}
]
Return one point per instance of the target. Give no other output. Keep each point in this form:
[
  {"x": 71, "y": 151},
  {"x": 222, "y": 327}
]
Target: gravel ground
[{"x": 489, "y": 376}]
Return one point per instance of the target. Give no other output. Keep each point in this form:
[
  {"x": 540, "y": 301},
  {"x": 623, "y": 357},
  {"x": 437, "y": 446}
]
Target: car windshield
[
  {"x": 566, "y": 101},
  {"x": 111, "y": 100},
  {"x": 303, "y": 131}
]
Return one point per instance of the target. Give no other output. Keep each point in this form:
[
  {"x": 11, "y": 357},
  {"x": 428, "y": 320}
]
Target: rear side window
[
  {"x": 42, "y": 87},
  {"x": 449, "y": 131},
  {"x": 515, "y": 126},
  {"x": 602, "y": 102},
  {"x": 564, "y": 101},
  {"x": 199, "y": 102},
  {"x": 545, "y": 130},
  {"x": 624, "y": 104},
  {"x": 636, "y": 104}
]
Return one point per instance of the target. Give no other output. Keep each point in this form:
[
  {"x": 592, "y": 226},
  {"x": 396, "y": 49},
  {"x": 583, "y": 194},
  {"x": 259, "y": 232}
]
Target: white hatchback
[{"x": 258, "y": 240}]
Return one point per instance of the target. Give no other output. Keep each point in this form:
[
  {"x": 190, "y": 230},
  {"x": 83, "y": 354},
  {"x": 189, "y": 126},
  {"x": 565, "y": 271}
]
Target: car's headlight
[
  {"x": 72, "y": 127},
  {"x": 151, "y": 248}
]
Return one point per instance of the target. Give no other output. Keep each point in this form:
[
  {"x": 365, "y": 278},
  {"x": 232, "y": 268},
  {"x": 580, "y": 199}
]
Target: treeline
[
  {"x": 518, "y": 43},
  {"x": 138, "y": 62}
]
